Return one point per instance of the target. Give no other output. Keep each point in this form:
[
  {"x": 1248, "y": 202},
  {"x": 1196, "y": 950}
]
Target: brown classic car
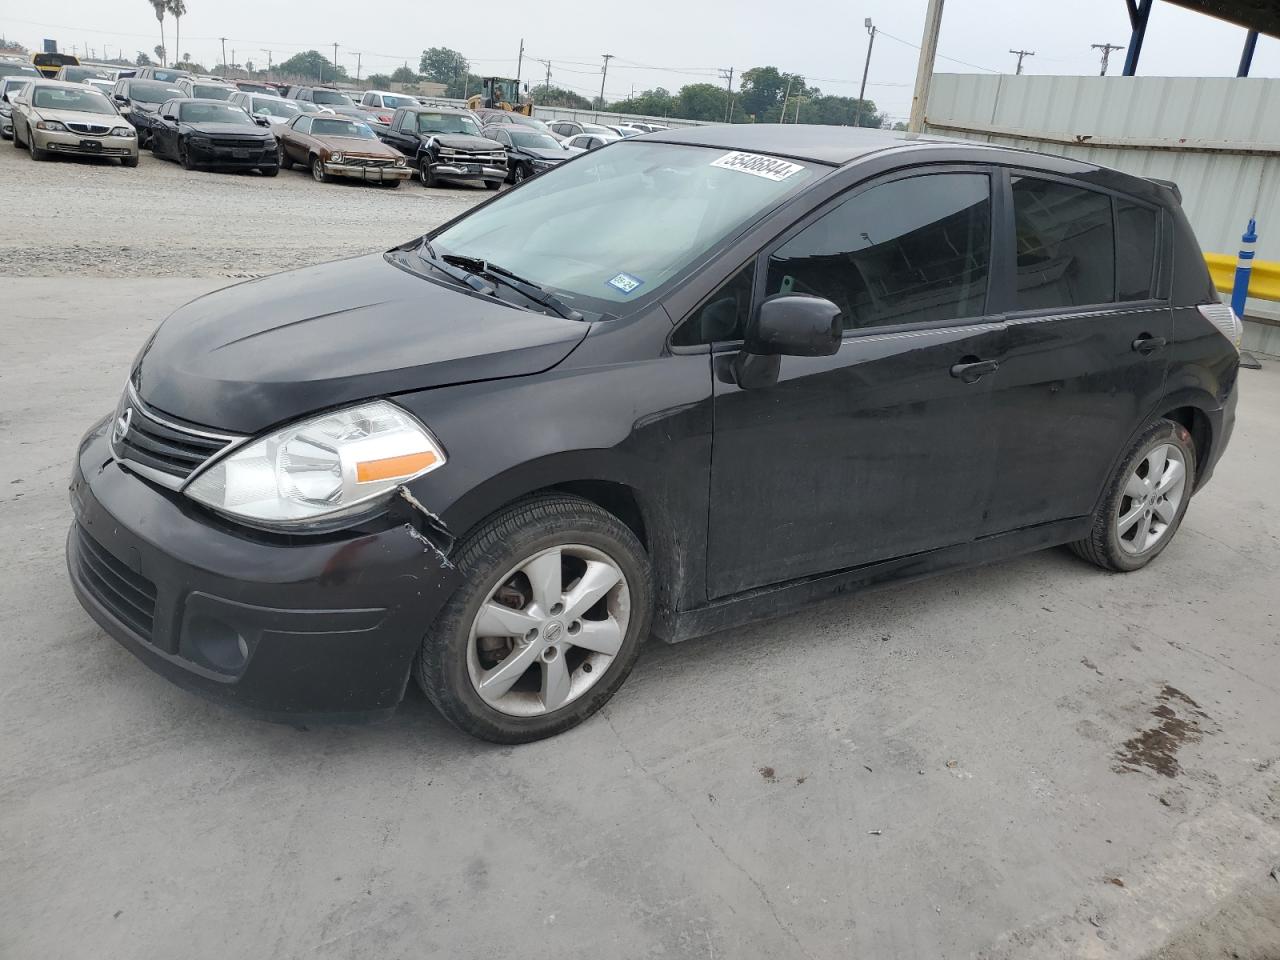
[{"x": 340, "y": 147}]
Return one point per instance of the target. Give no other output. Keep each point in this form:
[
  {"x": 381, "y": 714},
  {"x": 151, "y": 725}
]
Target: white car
[
  {"x": 590, "y": 141},
  {"x": 277, "y": 110}
]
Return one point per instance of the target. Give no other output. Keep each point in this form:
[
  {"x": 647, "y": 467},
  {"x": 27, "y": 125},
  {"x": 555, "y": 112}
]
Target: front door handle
[
  {"x": 1148, "y": 344},
  {"x": 973, "y": 371}
]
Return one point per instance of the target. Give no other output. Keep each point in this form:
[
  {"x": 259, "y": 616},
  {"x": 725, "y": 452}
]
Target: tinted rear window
[
  {"x": 1136, "y": 233},
  {"x": 1066, "y": 245}
]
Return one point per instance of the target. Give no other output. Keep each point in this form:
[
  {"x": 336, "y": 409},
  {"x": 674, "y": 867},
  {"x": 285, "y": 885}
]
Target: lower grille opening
[{"x": 129, "y": 596}]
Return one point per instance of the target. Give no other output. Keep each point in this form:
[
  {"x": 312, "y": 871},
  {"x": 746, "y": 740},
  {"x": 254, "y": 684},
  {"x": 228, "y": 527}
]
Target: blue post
[{"x": 1244, "y": 266}]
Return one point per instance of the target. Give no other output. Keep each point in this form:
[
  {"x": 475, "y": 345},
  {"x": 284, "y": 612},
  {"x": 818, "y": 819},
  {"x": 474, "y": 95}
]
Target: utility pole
[
  {"x": 1020, "y": 54},
  {"x": 924, "y": 70},
  {"x": 224, "y": 56},
  {"x": 862, "y": 90},
  {"x": 335, "y": 64},
  {"x": 268, "y": 53},
  {"x": 359, "y": 63},
  {"x": 728, "y": 74},
  {"x": 785, "y": 97},
  {"x": 1106, "y": 49},
  {"x": 233, "y": 56},
  {"x": 547, "y": 64},
  {"x": 604, "y": 73},
  {"x": 519, "y": 66}
]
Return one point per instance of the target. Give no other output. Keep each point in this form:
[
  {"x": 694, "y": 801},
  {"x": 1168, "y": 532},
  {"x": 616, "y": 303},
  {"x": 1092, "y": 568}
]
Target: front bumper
[
  {"x": 214, "y": 155},
  {"x": 449, "y": 170},
  {"x": 59, "y": 141},
  {"x": 289, "y": 628},
  {"x": 374, "y": 174}
]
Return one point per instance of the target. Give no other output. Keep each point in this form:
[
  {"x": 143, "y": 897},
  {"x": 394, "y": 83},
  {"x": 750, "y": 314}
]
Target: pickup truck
[{"x": 445, "y": 143}]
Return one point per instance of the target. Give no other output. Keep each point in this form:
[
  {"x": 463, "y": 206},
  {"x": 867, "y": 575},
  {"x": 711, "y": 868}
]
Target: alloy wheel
[
  {"x": 317, "y": 170},
  {"x": 1151, "y": 498},
  {"x": 548, "y": 632},
  {"x": 519, "y": 175}
]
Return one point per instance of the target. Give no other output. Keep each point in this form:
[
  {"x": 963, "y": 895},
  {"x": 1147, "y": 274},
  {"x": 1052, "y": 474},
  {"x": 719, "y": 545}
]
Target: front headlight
[
  {"x": 122, "y": 132},
  {"x": 49, "y": 125},
  {"x": 335, "y": 158},
  {"x": 320, "y": 469},
  {"x": 399, "y": 161}
]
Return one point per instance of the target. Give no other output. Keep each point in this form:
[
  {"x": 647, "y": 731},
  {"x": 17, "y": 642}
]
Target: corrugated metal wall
[{"x": 1218, "y": 138}]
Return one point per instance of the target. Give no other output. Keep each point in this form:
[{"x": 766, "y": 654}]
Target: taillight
[{"x": 1224, "y": 318}]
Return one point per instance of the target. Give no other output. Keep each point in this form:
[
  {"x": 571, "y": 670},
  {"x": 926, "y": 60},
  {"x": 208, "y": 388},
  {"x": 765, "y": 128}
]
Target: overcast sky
[{"x": 689, "y": 41}]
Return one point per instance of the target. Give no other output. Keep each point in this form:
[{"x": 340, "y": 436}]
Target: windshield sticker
[
  {"x": 771, "y": 168},
  {"x": 625, "y": 282}
]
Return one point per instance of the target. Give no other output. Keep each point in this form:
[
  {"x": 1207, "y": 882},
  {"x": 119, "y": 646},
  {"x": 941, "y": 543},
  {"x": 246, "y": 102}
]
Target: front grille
[
  {"x": 237, "y": 144},
  {"x": 93, "y": 129},
  {"x": 129, "y": 596},
  {"x": 166, "y": 451},
  {"x": 467, "y": 156},
  {"x": 368, "y": 161}
]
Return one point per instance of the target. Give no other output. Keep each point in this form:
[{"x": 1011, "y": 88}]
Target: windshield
[
  {"x": 148, "y": 91},
  {"x": 532, "y": 140},
  {"x": 332, "y": 97},
  {"x": 392, "y": 102},
  {"x": 306, "y": 106},
  {"x": 534, "y": 122},
  {"x": 167, "y": 76},
  {"x": 617, "y": 224},
  {"x": 12, "y": 69},
  {"x": 62, "y": 98},
  {"x": 597, "y": 129},
  {"x": 245, "y": 87},
  {"x": 275, "y": 108},
  {"x": 211, "y": 91},
  {"x": 212, "y": 113},
  {"x": 78, "y": 74},
  {"x": 342, "y": 128},
  {"x": 446, "y": 123}
]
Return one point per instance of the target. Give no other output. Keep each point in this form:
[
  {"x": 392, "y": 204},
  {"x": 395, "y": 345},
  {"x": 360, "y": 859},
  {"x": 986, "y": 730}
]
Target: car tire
[
  {"x": 1145, "y": 501},
  {"x": 519, "y": 175},
  {"x": 184, "y": 157},
  {"x": 286, "y": 161},
  {"x": 317, "y": 171},
  {"x": 17, "y": 144},
  {"x": 391, "y": 184},
  {"x": 424, "y": 168},
  {"x": 269, "y": 171},
  {"x": 492, "y": 184},
  {"x": 532, "y": 531},
  {"x": 128, "y": 161},
  {"x": 36, "y": 152}
]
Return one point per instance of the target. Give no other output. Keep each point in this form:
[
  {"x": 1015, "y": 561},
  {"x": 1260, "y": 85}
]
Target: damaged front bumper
[{"x": 287, "y": 627}]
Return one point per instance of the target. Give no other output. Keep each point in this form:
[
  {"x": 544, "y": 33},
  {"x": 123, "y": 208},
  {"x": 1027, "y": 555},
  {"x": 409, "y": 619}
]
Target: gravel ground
[
  {"x": 1029, "y": 760},
  {"x": 95, "y": 218}
]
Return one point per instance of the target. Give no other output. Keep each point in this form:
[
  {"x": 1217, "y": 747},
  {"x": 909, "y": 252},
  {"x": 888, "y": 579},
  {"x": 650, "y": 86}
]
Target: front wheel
[
  {"x": 317, "y": 171},
  {"x": 286, "y": 161},
  {"x": 492, "y": 184},
  {"x": 184, "y": 157},
  {"x": 547, "y": 624},
  {"x": 519, "y": 174},
  {"x": 36, "y": 152},
  {"x": 269, "y": 171},
  {"x": 424, "y": 168},
  {"x": 1145, "y": 501},
  {"x": 129, "y": 162}
]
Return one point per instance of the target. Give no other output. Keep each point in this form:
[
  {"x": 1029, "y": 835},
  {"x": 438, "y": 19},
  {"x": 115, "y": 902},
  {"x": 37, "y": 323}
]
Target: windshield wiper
[
  {"x": 470, "y": 279},
  {"x": 526, "y": 288}
]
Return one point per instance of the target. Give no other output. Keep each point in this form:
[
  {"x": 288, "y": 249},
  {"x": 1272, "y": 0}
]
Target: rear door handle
[
  {"x": 1148, "y": 344},
  {"x": 974, "y": 371}
]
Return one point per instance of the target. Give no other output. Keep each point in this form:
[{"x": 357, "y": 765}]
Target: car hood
[
  {"x": 464, "y": 141},
  {"x": 229, "y": 129},
  {"x": 271, "y": 350},
  {"x": 144, "y": 106},
  {"x": 547, "y": 153},
  {"x": 359, "y": 145},
  {"x": 76, "y": 116}
]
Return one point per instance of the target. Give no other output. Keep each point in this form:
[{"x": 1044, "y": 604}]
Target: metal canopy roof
[{"x": 1260, "y": 15}]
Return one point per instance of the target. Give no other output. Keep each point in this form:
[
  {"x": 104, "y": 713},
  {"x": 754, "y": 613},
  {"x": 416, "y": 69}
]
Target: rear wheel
[
  {"x": 555, "y": 604},
  {"x": 1145, "y": 501}
]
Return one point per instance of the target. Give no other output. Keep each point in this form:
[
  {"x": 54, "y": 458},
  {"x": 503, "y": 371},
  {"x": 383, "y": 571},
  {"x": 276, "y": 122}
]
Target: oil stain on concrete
[{"x": 1156, "y": 748}]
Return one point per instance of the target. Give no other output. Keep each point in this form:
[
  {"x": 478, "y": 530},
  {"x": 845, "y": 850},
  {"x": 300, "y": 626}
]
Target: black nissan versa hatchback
[{"x": 701, "y": 377}]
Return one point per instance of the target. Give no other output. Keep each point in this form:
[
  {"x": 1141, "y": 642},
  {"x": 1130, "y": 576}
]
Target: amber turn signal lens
[{"x": 392, "y": 467}]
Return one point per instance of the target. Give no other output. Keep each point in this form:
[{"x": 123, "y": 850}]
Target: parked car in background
[
  {"x": 446, "y": 144},
  {"x": 383, "y": 104},
  {"x": 79, "y": 74},
  {"x": 491, "y": 116},
  {"x": 327, "y": 97},
  {"x": 306, "y": 106},
  {"x": 276, "y": 110},
  {"x": 139, "y": 102},
  {"x": 213, "y": 133},
  {"x": 9, "y": 85},
  {"x": 50, "y": 63},
  {"x": 645, "y": 127},
  {"x": 571, "y": 128},
  {"x": 528, "y": 151},
  {"x": 591, "y": 141},
  {"x": 164, "y": 74},
  {"x": 55, "y": 117},
  {"x": 15, "y": 68},
  {"x": 341, "y": 147},
  {"x": 199, "y": 89},
  {"x": 255, "y": 86}
]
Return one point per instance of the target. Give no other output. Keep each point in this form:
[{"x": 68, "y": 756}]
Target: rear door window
[
  {"x": 1136, "y": 237},
  {"x": 1065, "y": 245},
  {"x": 916, "y": 250}
]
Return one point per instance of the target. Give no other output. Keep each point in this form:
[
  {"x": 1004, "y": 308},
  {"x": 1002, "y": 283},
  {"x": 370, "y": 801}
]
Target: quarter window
[
  {"x": 1066, "y": 245},
  {"x": 1135, "y": 251},
  {"x": 916, "y": 250}
]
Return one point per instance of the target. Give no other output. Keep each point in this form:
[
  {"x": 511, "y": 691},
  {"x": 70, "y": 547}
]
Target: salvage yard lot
[{"x": 1034, "y": 759}]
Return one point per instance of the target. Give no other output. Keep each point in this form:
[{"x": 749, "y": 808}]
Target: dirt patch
[
  {"x": 1246, "y": 927},
  {"x": 1156, "y": 748},
  {"x": 769, "y": 774}
]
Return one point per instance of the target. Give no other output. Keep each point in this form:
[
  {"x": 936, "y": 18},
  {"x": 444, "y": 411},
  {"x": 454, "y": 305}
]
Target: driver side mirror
[
  {"x": 170, "y": 116},
  {"x": 794, "y": 325},
  {"x": 121, "y": 98},
  {"x": 261, "y": 120}
]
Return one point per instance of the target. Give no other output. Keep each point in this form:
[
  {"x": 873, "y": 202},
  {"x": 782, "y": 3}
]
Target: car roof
[
  {"x": 67, "y": 84},
  {"x": 820, "y": 144},
  {"x": 266, "y": 96},
  {"x": 202, "y": 100},
  {"x": 424, "y": 108}
]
